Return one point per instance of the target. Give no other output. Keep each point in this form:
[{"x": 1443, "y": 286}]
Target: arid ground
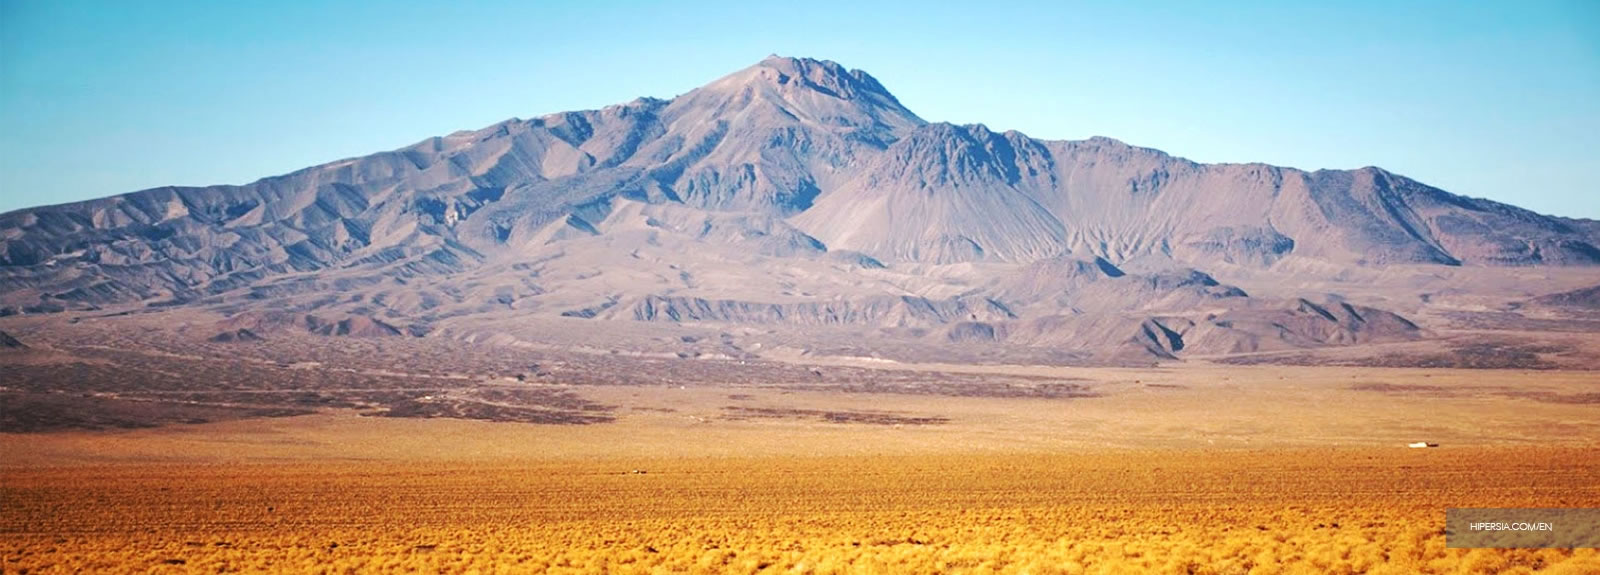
[
  {"x": 212, "y": 460},
  {"x": 1332, "y": 510}
]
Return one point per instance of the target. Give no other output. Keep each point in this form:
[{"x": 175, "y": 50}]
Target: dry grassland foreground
[{"x": 1354, "y": 510}]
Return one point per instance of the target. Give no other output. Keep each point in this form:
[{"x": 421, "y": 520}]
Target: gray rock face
[
  {"x": 794, "y": 192},
  {"x": 959, "y": 193},
  {"x": 905, "y": 311}
]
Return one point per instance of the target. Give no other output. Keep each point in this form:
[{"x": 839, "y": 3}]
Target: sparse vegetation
[
  {"x": 710, "y": 466},
  {"x": 1338, "y": 511}
]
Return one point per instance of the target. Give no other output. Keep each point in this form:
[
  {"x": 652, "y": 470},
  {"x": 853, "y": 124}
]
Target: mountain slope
[
  {"x": 954, "y": 193},
  {"x": 764, "y": 139},
  {"x": 794, "y": 194}
]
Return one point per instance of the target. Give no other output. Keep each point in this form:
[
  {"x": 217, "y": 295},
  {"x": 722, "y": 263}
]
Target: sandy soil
[
  {"x": 1192, "y": 407},
  {"x": 1331, "y": 510},
  {"x": 1200, "y": 469}
]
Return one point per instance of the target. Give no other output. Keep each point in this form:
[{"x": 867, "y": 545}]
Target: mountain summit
[
  {"x": 794, "y": 192},
  {"x": 804, "y": 79}
]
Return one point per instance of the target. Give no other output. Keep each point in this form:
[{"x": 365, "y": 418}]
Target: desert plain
[{"x": 506, "y": 460}]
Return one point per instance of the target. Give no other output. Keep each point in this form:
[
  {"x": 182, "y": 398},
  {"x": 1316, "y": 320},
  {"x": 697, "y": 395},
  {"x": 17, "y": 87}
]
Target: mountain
[
  {"x": 956, "y": 193},
  {"x": 795, "y": 194}
]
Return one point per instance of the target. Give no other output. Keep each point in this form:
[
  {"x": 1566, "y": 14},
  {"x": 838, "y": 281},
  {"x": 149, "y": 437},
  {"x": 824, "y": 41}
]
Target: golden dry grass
[{"x": 1351, "y": 510}]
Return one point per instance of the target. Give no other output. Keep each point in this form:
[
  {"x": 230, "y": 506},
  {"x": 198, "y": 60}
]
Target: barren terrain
[
  {"x": 141, "y": 447},
  {"x": 1350, "y": 510},
  {"x": 797, "y": 204}
]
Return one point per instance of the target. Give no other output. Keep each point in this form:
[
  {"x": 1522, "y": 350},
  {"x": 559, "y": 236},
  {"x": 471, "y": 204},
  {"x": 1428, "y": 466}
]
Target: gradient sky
[{"x": 1492, "y": 99}]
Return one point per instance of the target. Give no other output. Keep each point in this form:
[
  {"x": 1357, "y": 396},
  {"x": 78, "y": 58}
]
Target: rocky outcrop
[
  {"x": 882, "y": 311},
  {"x": 253, "y": 326}
]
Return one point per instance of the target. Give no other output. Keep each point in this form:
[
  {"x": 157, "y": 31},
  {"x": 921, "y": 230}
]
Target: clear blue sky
[{"x": 1488, "y": 99}]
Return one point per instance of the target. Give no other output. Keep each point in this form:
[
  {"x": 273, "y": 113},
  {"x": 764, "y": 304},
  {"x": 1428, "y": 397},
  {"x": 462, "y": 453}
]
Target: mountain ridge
[{"x": 794, "y": 192}]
